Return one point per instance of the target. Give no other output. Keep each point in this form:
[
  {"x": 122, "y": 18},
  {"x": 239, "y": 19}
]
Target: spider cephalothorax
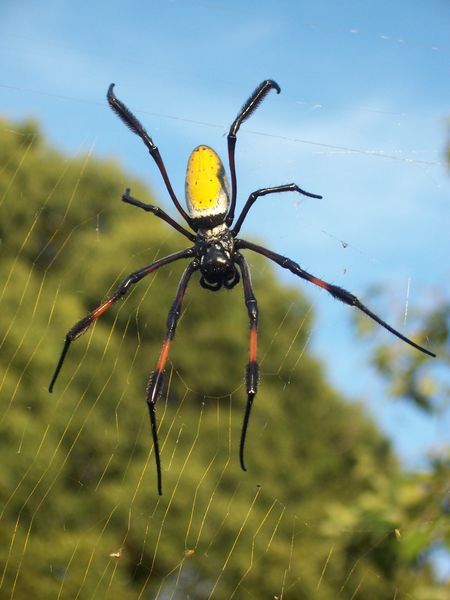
[
  {"x": 215, "y": 248},
  {"x": 215, "y": 252}
]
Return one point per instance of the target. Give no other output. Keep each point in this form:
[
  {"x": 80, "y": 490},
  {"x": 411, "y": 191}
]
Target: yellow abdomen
[{"x": 207, "y": 191}]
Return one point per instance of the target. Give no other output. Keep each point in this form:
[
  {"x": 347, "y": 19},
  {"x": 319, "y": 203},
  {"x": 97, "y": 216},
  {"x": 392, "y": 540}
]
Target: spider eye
[{"x": 207, "y": 191}]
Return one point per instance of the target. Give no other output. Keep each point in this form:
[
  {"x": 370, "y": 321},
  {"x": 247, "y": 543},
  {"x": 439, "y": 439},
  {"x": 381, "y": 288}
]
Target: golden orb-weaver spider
[{"x": 215, "y": 252}]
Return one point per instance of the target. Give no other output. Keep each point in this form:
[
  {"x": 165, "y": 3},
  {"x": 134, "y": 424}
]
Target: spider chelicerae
[{"x": 216, "y": 252}]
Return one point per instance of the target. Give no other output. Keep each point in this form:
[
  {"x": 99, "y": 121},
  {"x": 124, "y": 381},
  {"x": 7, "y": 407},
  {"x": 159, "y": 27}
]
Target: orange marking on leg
[
  {"x": 253, "y": 343},
  {"x": 101, "y": 309},
  {"x": 320, "y": 283},
  {"x": 163, "y": 356}
]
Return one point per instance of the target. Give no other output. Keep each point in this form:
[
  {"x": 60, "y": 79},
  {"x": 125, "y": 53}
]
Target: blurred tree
[{"x": 79, "y": 514}]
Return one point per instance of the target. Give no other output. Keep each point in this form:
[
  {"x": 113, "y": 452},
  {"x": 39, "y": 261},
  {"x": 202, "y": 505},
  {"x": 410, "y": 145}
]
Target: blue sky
[{"x": 362, "y": 119}]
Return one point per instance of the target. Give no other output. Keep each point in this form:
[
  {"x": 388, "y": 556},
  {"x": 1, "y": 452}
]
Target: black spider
[{"x": 215, "y": 251}]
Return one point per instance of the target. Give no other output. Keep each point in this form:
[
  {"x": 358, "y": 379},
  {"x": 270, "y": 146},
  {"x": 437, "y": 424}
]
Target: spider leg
[
  {"x": 158, "y": 212},
  {"x": 337, "y": 292},
  {"x": 246, "y": 111},
  {"x": 136, "y": 127},
  {"x": 154, "y": 386},
  {"x": 289, "y": 187},
  {"x": 252, "y": 372},
  {"x": 83, "y": 325}
]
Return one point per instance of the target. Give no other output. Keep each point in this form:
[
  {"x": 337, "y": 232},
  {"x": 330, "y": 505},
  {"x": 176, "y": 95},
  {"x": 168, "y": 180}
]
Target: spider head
[
  {"x": 217, "y": 268},
  {"x": 207, "y": 190}
]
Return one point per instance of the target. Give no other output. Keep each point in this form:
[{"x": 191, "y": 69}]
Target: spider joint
[
  {"x": 252, "y": 308},
  {"x": 252, "y": 378}
]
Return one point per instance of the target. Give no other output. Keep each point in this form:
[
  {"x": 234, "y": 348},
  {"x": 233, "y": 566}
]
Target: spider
[{"x": 216, "y": 252}]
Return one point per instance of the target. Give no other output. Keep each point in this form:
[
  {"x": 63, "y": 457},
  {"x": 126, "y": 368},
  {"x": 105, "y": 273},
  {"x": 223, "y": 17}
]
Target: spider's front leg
[
  {"x": 158, "y": 212},
  {"x": 246, "y": 111},
  {"x": 289, "y": 187},
  {"x": 252, "y": 372},
  {"x": 154, "y": 387},
  {"x": 83, "y": 325},
  {"x": 131, "y": 121}
]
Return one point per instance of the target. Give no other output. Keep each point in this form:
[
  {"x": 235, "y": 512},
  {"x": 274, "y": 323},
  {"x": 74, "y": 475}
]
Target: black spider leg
[
  {"x": 337, "y": 292},
  {"x": 252, "y": 372},
  {"x": 158, "y": 212},
  {"x": 82, "y": 326},
  {"x": 154, "y": 386},
  {"x": 289, "y": 187},
  {"x": 136, "y": 127},
  {"x": 246, "y": 111}
]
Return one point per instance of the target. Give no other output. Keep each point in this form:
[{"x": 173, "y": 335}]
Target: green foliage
[
  {"x": 316, "y": 514},
  {"x": 412, "y": 376},
  {"x": 425, "y": 384}
]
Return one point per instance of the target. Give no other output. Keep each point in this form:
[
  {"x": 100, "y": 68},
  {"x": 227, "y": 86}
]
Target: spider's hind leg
[
  {"x": 336, "y": 291},
  {"x": 155, "y": 384},
  {"x": 252, "y": 371},
  {"x": 83, "y": 325}
]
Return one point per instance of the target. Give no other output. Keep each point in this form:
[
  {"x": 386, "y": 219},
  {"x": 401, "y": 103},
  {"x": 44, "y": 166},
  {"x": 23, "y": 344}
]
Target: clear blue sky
[{"x": 362, "y": 120}]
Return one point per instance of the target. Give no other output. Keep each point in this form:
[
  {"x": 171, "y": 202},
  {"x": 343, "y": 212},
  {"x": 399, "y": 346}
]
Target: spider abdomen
[{"x": 207, "y": 190}]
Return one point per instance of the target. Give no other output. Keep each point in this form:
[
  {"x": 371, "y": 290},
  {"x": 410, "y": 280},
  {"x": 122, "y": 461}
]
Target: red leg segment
[
  {"x": 252, "y": 372},
  {"x": 82, "y": 326},
  {"x": 154, "y": 387},
  {"x": 337, "y": 292}
]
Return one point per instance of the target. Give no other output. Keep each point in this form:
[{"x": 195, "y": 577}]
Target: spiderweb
[{"x": 80, "y": 511}]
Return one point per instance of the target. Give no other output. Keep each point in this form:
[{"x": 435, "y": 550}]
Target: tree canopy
[{"x": 324, "y": 510}]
